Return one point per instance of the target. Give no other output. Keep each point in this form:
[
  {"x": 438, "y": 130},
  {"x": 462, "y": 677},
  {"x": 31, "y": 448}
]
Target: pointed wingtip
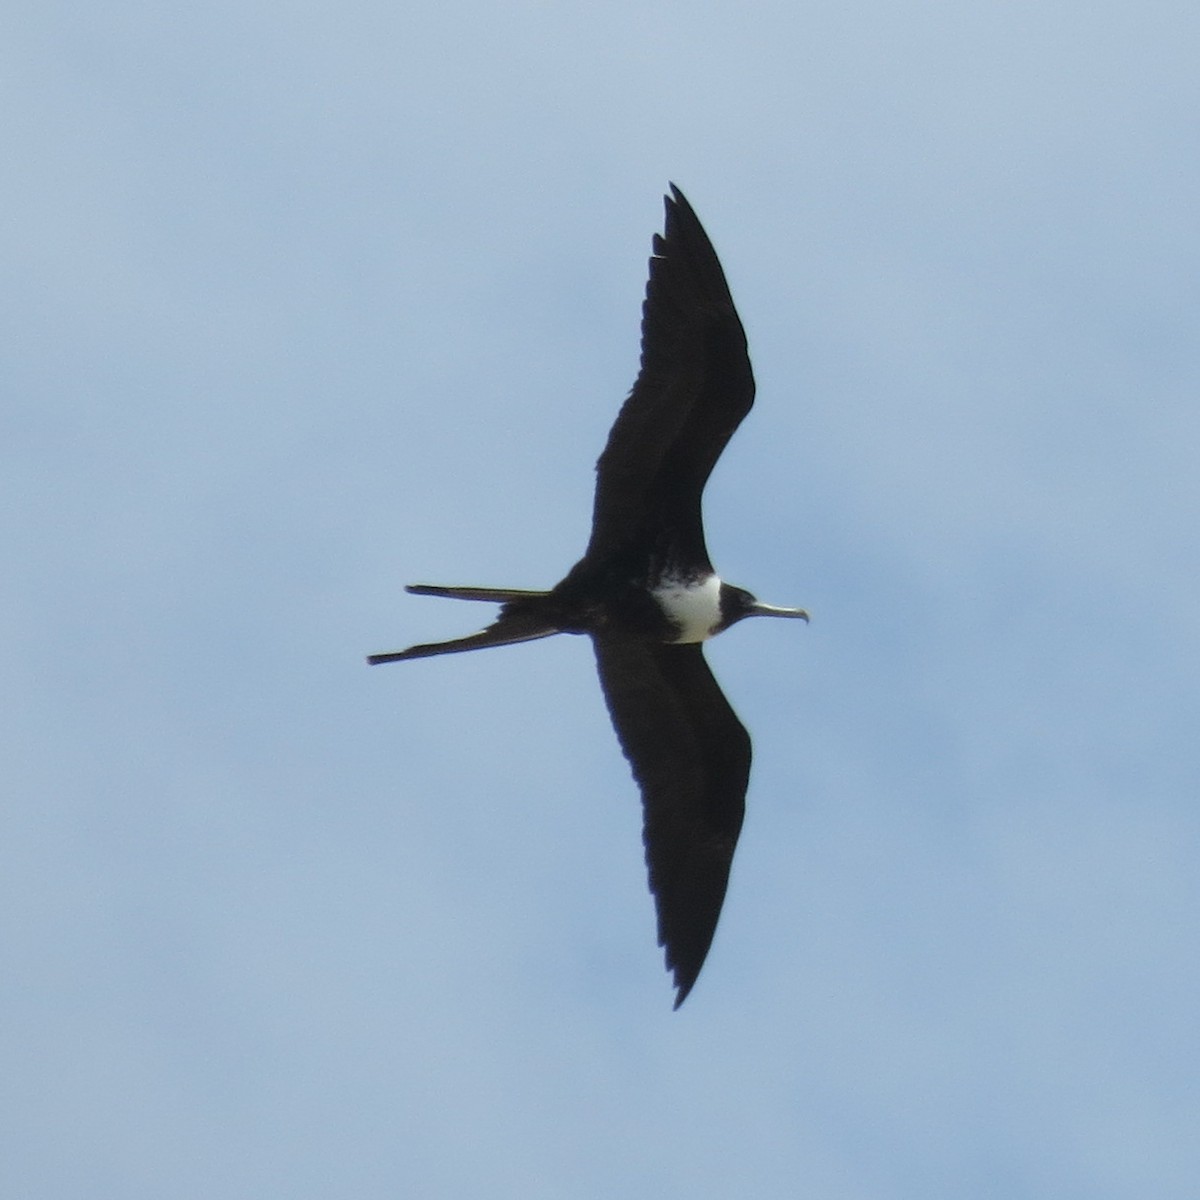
[
  {"x": 682, "y": 980},
  {"x": 676, "y": 197}
]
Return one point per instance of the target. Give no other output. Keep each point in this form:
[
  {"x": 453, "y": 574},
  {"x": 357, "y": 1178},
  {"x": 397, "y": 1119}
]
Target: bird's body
[
  {"x": 647, "y": 595},
  {"x": 693, "y": 606}
]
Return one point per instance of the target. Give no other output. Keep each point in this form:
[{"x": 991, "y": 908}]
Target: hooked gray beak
[{"x": 758, "y": 609}]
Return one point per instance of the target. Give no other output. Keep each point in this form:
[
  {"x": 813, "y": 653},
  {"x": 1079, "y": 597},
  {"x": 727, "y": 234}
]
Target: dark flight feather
[
  {"x": 690, "y": 756},
  {"x": 693, "y": 390}
]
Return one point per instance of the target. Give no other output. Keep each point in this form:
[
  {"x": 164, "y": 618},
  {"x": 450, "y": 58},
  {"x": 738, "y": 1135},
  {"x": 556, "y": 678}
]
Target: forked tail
[
  {"x": 496, "y": 595},
  {"x": 519, "y": 624}
]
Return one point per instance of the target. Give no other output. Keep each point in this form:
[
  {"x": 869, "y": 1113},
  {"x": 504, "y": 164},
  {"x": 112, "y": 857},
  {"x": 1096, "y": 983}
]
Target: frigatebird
[{"x": 646, "y": 593}]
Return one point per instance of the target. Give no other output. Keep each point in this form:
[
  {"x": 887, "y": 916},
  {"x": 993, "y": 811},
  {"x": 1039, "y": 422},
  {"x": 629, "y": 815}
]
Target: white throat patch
[{"x": 693, "y": 605}]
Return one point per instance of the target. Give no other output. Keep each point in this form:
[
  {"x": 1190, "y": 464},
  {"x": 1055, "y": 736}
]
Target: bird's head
[{"x": 737, "y": 603}]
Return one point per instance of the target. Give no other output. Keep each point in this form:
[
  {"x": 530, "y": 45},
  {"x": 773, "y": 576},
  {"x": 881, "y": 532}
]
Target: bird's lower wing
[{"x": 691, "y": 758}]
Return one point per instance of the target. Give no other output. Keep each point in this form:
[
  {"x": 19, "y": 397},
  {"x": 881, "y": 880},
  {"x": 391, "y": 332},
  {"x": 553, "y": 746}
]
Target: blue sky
[{"x": 305, "y": 303}]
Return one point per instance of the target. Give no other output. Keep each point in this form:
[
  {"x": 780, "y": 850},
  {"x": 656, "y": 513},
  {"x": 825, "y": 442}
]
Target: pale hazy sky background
[{"x": 305, "y": 302}]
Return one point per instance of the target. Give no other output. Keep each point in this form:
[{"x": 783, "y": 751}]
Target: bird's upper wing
[
  {"x": 691, "y": 758},
  {"x": 694, "y": 388}
]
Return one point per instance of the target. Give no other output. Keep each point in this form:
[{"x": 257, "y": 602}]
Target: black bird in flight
[{"x": 646, "y": 593}]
